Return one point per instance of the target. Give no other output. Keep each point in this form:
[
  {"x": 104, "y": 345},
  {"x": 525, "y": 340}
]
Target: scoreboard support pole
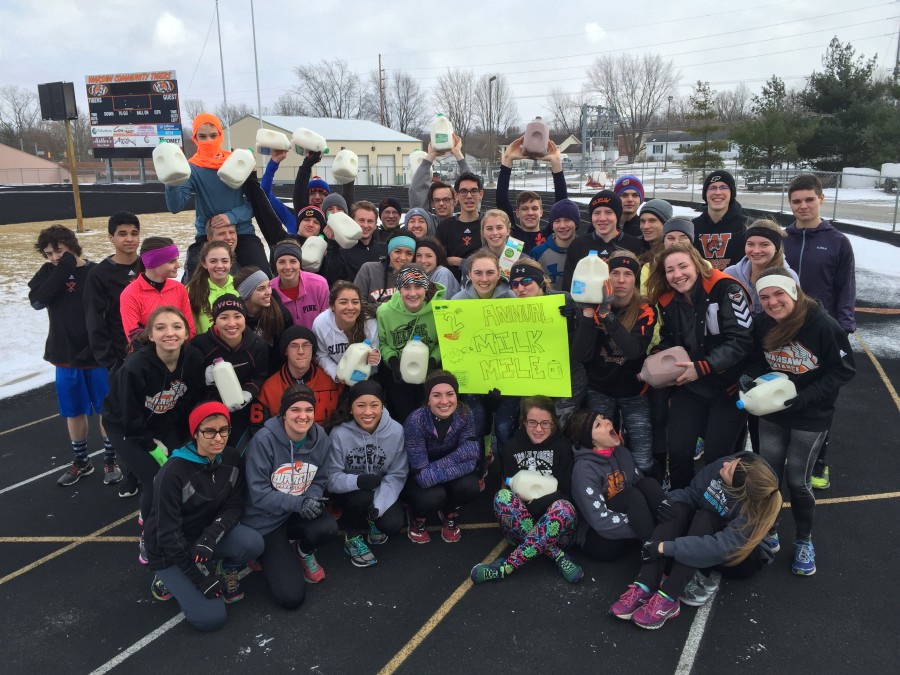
[{"x": 73, "y": 171}]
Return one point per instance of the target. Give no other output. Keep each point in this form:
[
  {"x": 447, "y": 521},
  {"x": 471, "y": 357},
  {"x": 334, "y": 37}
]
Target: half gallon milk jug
[
  {"x": 170, "y": 164},
  {"x": 537, "y": 138},
  {"x": 354, "y": 364},
  {"x": 769, "y": 394},
  {"x": 659, "y": 370},
  {"x": 305, "y": 140},
  {"x": 414, "y": 361},
  {"x": 239, "y": 165},
  {"x": 588, "y": 278},
  {"x": 269, "y": 139},
  {"x": 230, "y": 390},
  {"x": 312, "y": 253},
  {"x": 531, "y": 484},
  {"x": 345, "y": 167},
  {"x": 346, "y": 230},
  {"x": 441, "y": 133},
  {"x": 415, "y": 160}
]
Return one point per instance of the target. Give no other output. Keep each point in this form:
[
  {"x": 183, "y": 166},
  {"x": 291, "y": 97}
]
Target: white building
[{"x": 658, "y": 145}]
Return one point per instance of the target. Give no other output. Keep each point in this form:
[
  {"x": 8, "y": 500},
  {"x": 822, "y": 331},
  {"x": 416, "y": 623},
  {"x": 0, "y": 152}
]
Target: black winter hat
[
  {"x": 297, "y": 333},
  {"x": 720, "y": 176},
  {"x": 228, "y": 302},
  {"x": 606, "y": 198}
]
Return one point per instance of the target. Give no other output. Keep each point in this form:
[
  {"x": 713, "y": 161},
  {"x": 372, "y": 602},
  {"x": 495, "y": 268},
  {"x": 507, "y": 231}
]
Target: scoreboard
[{"x": 132, "y": 113}]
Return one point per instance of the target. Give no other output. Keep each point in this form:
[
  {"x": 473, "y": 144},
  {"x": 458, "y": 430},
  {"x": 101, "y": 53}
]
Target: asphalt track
[{"x": 74, "y": 599}]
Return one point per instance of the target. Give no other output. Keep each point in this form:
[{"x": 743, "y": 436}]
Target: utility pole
[
  {"x": 668, "y": 126},
  {"x": 897, "y": 58},
  {"x": 381, "y": 89},
  {"x": 224, "y": 95},
  {"x": 491, "y": 132}
]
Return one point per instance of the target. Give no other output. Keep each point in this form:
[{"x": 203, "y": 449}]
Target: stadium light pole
[
  {"x": 224, "y": 95},
  {"x": 491, "y": 131}
]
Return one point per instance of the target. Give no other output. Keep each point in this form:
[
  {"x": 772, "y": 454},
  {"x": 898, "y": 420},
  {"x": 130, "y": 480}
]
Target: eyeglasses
[
  {"x": 718, "y": 188},
  {"x": 464, "y": 192},
  {"x": 305, "y": 347},
  {"x": 525, "y": 281},
  {"x": 543, "y": 424},
  {"x": 442, "y": 200},
  {"x": 210, "y": 434}
]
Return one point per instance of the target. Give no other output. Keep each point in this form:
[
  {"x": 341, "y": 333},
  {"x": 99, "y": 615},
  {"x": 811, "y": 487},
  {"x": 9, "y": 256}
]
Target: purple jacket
[
  {"x": 433, "y": 461},
  {"x": 823, "y": 259}
]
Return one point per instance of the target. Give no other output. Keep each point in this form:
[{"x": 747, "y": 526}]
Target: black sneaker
[
  {"x": 75, "y": 472},
  {"x": 129, "y": 487},
  {"x": 159, "y": 591}
]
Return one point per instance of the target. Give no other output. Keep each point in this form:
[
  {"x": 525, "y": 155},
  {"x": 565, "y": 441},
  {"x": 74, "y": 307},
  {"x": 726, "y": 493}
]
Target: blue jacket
[
  {"x": 823, "y": 259},
  {"x": 211, "y": 197},
  {"x": 284, "y": 213}
]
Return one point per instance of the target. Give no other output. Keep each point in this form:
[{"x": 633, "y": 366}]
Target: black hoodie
[
  {"x": 554, "y": 457},
  {"x": 250, "y": 358},
  {"x": 721, "y": 243}
]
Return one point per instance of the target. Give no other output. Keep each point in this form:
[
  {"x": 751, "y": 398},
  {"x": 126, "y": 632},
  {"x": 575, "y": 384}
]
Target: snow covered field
[{"x": 23, "y": 330}]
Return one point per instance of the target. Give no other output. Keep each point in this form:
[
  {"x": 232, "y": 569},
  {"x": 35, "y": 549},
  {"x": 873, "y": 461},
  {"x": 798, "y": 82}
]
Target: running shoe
[
  {"x": 360, "y": 554},
  {"x": 159, "y": 590},
  {"x": 450, "y": 531},
  {"x": 375, "y": 537},
  {"x": 570, "y": 570},
  {"x": 656, "y": 612},
  {"x": 313, "y": 572},
  {"x": 75, "y": 472},
  {"x": 129, "y": 487},
  {"x": 698, "y": 590},
  {"x": 629, "y": 602},
  {"x": 773, "y": 542},
  {"x": 417, "y": 532},
  {"x": 231, "y": 575},
  {"x": 487, "y": 572},
  {"x": 820, "y": 479},
  {"x": 111, "y": 472},
  {"x": 804, "y": 563},
  {"x": 142, "y": 551}
]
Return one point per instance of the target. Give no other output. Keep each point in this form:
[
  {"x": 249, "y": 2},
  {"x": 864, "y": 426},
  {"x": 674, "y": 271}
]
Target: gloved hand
[
  {"x": 650, "y": 551},
  {"x": 211, "y": 587},
  {"x": 159, "y": 455},
  {"x": 312, "y": 158},
  {"x": 665, "y": 512},
  {"x": 746, "y": 383},
  {"x": 569, "y": 312},
  {"x": 604, "y": 307},
  {"x": 206, "y": 544},
  {"x": 311, "y": 509},
  {"x": 210, "y": 380},
  {"x": 372, "y": 514},
  {"x": 247, "y": 398},
  {"x": 493, "y": 399},
  {"x": 369, "y": 481}
]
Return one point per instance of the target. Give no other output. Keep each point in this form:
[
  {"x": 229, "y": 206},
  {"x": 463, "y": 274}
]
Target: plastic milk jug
[
  {"x": 239, "y": 165},
  {"x": 346, "y": 230},
  {"x": 312, "y": 253},
  {"x": 769, "y": 394},
  {"x": 531, "y": 484},
  {"x": 170, "y": 164},
  {"x": 659, "y": 370},
  {"x": 537, "y": 138},
  {"x": 511, "y": 252},
  {"x": 345, "y": 167},
  {"x": 269, "y": 139},
  {"x": 305, "y": 140},
  {"x": 414, "y": 361},
  {"x": 354, "y": 364},
  {"x": 230, "y": 390},
  {"x": 441, "y": 133},
  {"x": 415, "y": 160},
  {"x": 588, "y": 278}
]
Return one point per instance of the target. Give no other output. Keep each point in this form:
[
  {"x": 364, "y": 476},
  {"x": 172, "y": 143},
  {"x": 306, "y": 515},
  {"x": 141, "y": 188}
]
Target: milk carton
[
  {"x": 769, "y": 394},
  {"x": 345, "y": 167},
  {"x": 414, "y": 361},
  {"x": 415, "y": 159},
  {"x": 511, "y": 252},
  {"x": 354, "y": 364},
  {"x": 227, "y": 383},
  {"x": 659, "y": 370},
  {"x": 441, "y": 133},
  {"x": 237, "y": 168},
  {"x": 269, "y": 139},
  {"x": 306, "y": 140},
  {"x": 346, "y": 230},
  {"x": 312, "y": 253},
  {"x": 537, "y": 138},
  {"x": 170, "y": 164},
  {"x": 588, "y": 280},
  {"x": 530, "y": 485}
]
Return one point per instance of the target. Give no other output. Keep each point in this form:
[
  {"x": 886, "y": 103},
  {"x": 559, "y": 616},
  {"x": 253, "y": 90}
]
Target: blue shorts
[{"x": 81, "y": 390}]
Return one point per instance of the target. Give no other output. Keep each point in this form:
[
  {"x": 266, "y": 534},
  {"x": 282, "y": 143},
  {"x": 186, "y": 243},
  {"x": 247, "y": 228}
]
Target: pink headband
[{"x": 159, "y": 256}]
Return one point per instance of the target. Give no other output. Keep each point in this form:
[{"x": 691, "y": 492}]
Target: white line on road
[
  {"x": 42, "y": 475},
  {"x": 139, "y": 645},
  {"x": 22, "y": 426},
  {"x": 695, "y": 636}
]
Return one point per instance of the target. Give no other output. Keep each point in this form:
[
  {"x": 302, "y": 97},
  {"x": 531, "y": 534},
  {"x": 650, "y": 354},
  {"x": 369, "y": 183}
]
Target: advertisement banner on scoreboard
[{"x": 132, "y": 113}]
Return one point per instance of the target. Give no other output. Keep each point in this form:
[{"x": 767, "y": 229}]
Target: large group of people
[{"x": 304, "y": 452}]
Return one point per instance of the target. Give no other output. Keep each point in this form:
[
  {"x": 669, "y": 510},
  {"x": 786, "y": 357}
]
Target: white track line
[
  {"x": 22, "y": 426},
  {"x": 42, "y": 475},
  {"x": 695, "y": 636},
  {"x": 139, "y": 645}
]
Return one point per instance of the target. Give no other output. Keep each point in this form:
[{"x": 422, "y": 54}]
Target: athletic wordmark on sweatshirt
[
  {"x": 165, "y": 400},
  {"x": 716, "y": 496},
  {"x": 535, "y": 460},
  {"x": 615, "y": 483},
  {"x": 294, "y": 479},
  {"x": 714, "y": 245},
  {"x": 369, "y": 459},
  {"x": 741, "y": 309},
  {"x": 403, "y": 334},
  {"x": 792, "y": 358}
]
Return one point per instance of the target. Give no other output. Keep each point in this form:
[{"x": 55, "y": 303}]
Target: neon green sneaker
[{"x": 820, "y": 479}]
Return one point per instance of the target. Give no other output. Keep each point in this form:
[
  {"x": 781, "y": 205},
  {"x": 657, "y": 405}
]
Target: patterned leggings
[{"x": 552, "y": 532}]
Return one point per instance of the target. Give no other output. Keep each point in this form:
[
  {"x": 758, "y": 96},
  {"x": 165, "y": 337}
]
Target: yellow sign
[{"x": 518, "y": 345}]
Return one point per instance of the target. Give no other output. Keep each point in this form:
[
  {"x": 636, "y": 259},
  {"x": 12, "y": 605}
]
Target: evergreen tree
[{"x": 704, "y": 154}]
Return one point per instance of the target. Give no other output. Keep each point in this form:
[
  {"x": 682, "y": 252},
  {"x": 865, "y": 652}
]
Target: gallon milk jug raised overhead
[
  {"x": 269, "y": 139},
  {"x": 659, "y": 370},
  {"x": 354, "y": 364},
  {"x": 345, "y": 167},
  {"x": 441, "y": 133},
  {"x": 306, "y": 140},
  {"x": 415, "y": 160},
  {"x": 237, "y": 168},
  {"x": 537, "y": 138},
  {"x": 588, "y": 280},
  {"x": 170, "y": 164},
  {"x": 532, "y": 484},
  {"x": 312, "y": 253},
  {"x": 346, "y": 230},
  {"x": 769, "y": 394},
  {"x": 414, "y": 361},
  {"x": 227, "y": 383}
]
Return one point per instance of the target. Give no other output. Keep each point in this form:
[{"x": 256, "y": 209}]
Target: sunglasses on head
[{"x": 525, "y": 281}]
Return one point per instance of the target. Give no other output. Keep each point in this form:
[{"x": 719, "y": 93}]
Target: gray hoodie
[
  {"x": 468, "y": 291},
  {"x": 592, "y": 475},
  {"x": 741, "y": 272},
  {"x": 280, "y": 478},
  {"x": 355, "y": 452}
]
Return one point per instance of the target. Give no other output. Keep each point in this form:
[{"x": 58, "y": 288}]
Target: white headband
[{"x": 786, "y": 284}]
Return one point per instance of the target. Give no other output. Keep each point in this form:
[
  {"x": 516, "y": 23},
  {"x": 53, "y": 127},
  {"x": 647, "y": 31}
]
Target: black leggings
[
  {"x": 356, "y": 510},
  {"x": 640, "y": 503},
  {"x": 688, "y": 522},
  {"x": 446, "y": 497},
  {"x": 140, "y": 463},
  {"x": 281, "y": 567}
]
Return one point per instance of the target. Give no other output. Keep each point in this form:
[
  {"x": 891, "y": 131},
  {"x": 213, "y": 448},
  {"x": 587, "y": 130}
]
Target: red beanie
[{"x": 204, "y": 410}]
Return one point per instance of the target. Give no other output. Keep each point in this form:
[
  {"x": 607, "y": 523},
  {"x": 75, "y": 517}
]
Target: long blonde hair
[{"x": 759, "y": 501}]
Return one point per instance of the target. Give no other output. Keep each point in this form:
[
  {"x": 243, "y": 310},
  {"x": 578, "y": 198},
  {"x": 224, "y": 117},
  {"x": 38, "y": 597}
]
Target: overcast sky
[{"x": 536, "y": 44}]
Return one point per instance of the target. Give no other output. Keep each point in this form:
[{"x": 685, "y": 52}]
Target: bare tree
[
  {"x": 504, "y": 113},
  {"x": 636, "y": 87},
  {"x": 192, "y": 107},
  {"x": 331, "y": 89},
  {"x": 454, "y": 96},
  {"x": 405, "y": 102},
  {"x": 20, "y": 114},
  {"x": 733, "y": 105},
  {"x": 566, "y": 111},
  {"x": 289, "y": 105},
  {"x": 233, "y": 113}
]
